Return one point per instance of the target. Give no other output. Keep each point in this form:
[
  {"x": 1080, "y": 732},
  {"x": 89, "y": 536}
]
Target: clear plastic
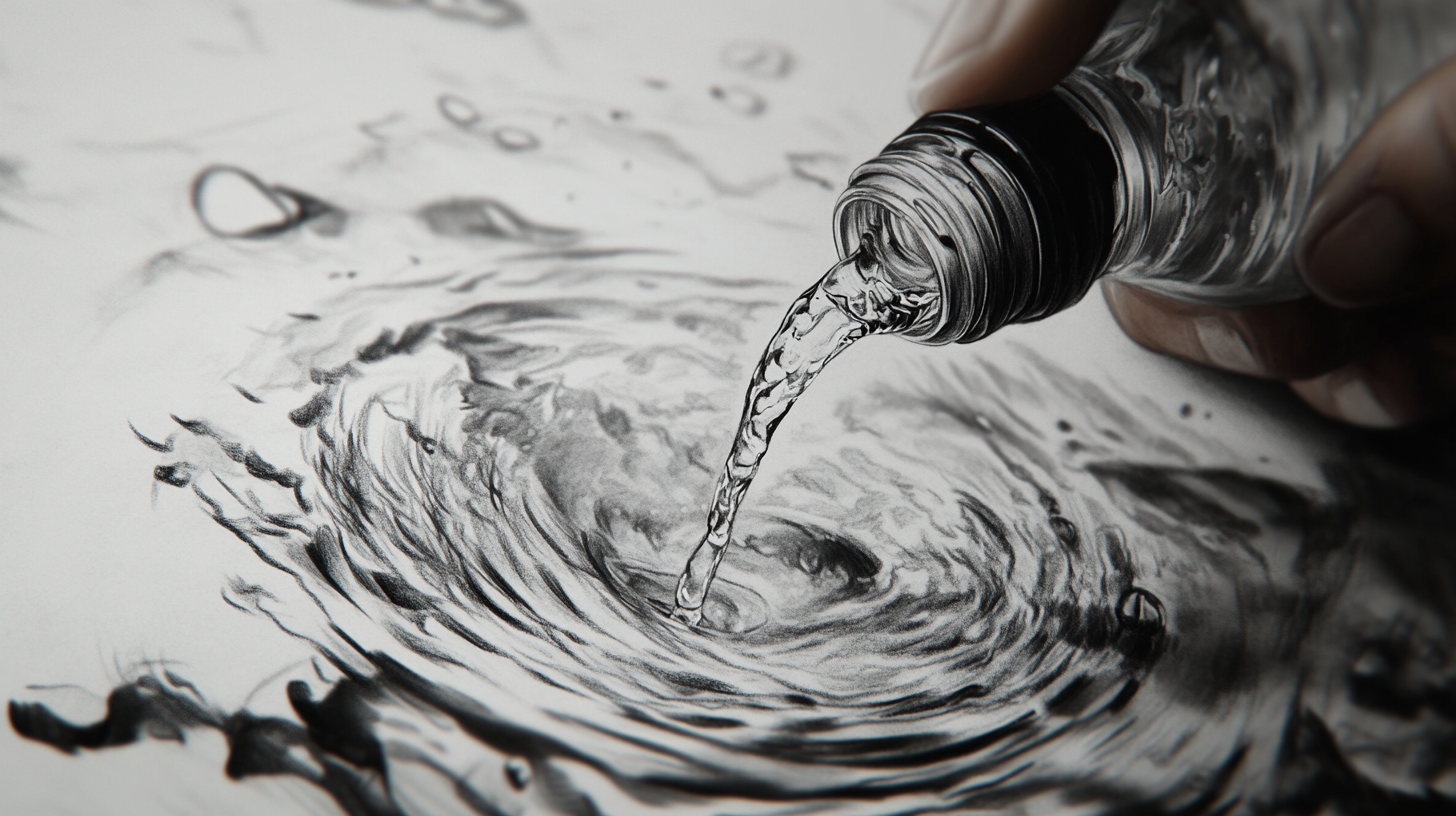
[
  {"x": 1218, "y": 121},
  {"x": 1227, "y": 116}
]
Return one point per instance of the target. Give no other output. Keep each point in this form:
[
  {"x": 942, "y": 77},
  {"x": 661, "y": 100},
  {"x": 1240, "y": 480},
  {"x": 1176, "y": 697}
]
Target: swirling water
[{"x": 977, "y": 587}]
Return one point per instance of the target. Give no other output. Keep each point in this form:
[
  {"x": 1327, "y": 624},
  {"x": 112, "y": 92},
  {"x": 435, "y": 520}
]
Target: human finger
[
  {"x": 990, "y": 51},
  {"x": 1293, "y": 340},
  {"x": 1382, "y": 229},
  {"x": 1408, "y": 380}
]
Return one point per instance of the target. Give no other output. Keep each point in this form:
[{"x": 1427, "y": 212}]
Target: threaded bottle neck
[{"x": 1013, "y": 207}]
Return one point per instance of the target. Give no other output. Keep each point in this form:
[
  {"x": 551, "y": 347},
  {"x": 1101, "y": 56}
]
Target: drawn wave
[{"x": 997, "y": 588}]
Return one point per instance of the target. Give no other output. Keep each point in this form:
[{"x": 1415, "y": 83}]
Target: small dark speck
[
  {"x": 655, "y": 84},
  {"x": 1208, "y": 415},
  {"x": 414, "y": 260},
  {"x": 518, "y": 773},
  {"x": 353, "y": 274},
  {"x": 1064, "y": 426},
  {"x": 333, "y": 275},
  {"x": 303, "y": 315},
  {"x": 620, "y": 116},
  {"x": 1185, "y": 411},
  {"x": 1264, "y": 459}
]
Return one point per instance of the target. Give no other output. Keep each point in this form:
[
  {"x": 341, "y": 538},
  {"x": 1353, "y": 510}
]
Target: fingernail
[
  {"x": 1366, "y": 258},
  {"x": 1224, "y": 346},
  {"x": 967, "y": 24},
  {"x": 1347, "y": 396},
  {"x": 1357, "y": 403}
]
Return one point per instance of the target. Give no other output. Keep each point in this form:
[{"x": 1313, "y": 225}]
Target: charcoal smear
[{"x": 981, "y": 587}]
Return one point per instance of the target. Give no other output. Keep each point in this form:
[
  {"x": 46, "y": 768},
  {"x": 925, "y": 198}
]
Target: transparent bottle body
[{"x": 1225, "y": 118}]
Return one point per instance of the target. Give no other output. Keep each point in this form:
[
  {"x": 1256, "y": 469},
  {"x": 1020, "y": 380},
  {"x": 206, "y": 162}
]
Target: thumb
[
  {"x": 990, "y": 51},
  {"x": 1383, "y": 228}
]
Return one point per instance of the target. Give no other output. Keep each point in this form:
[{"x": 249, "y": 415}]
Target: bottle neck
[{"x": 1013, "y": 208}]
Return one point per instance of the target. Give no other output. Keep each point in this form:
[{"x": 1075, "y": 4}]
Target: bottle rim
[{"x": 969, "y": 213}]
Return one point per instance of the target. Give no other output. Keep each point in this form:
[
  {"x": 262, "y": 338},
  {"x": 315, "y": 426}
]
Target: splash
[{"x": 856, "y": 298}]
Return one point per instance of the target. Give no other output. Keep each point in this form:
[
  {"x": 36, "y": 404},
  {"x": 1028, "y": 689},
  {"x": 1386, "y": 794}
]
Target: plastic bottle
[{"x": 1181, "y": 156}]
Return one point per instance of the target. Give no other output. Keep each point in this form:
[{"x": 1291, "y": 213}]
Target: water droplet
[
  {"x": 1141, "y": 609},
  {"x": 515, "y": 139},
  {"x": 760, "y": 60},
  {"x": 233, "y": 203},
  {"x": 739, "y": 99},
  {"x": 458, "y": 110}
]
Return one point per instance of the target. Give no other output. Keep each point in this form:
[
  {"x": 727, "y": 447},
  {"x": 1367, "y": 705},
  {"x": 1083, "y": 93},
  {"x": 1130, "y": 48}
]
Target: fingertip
[
  {"x": 1149, "y": 321},
  {"x": 1349, "y": 396},
  {"x": 966, "y": 26},
  {"x": 1371, "y": 256},
  {"x": 1199, "y": 334},
  {"x": 1379, "y": 230},
  {"x": 1410, "y": 380},
  {"x": 987, "y": 52},
  {"x": 1290, "y": 340}
]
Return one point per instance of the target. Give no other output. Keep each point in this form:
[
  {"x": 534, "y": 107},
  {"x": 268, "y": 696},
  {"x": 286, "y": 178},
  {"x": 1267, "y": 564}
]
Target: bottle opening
[{"x": 887, "y": 247}]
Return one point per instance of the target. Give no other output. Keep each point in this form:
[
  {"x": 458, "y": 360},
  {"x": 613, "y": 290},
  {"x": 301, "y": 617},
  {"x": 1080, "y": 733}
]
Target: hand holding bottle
[{"x": 1375, "y": 343}]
